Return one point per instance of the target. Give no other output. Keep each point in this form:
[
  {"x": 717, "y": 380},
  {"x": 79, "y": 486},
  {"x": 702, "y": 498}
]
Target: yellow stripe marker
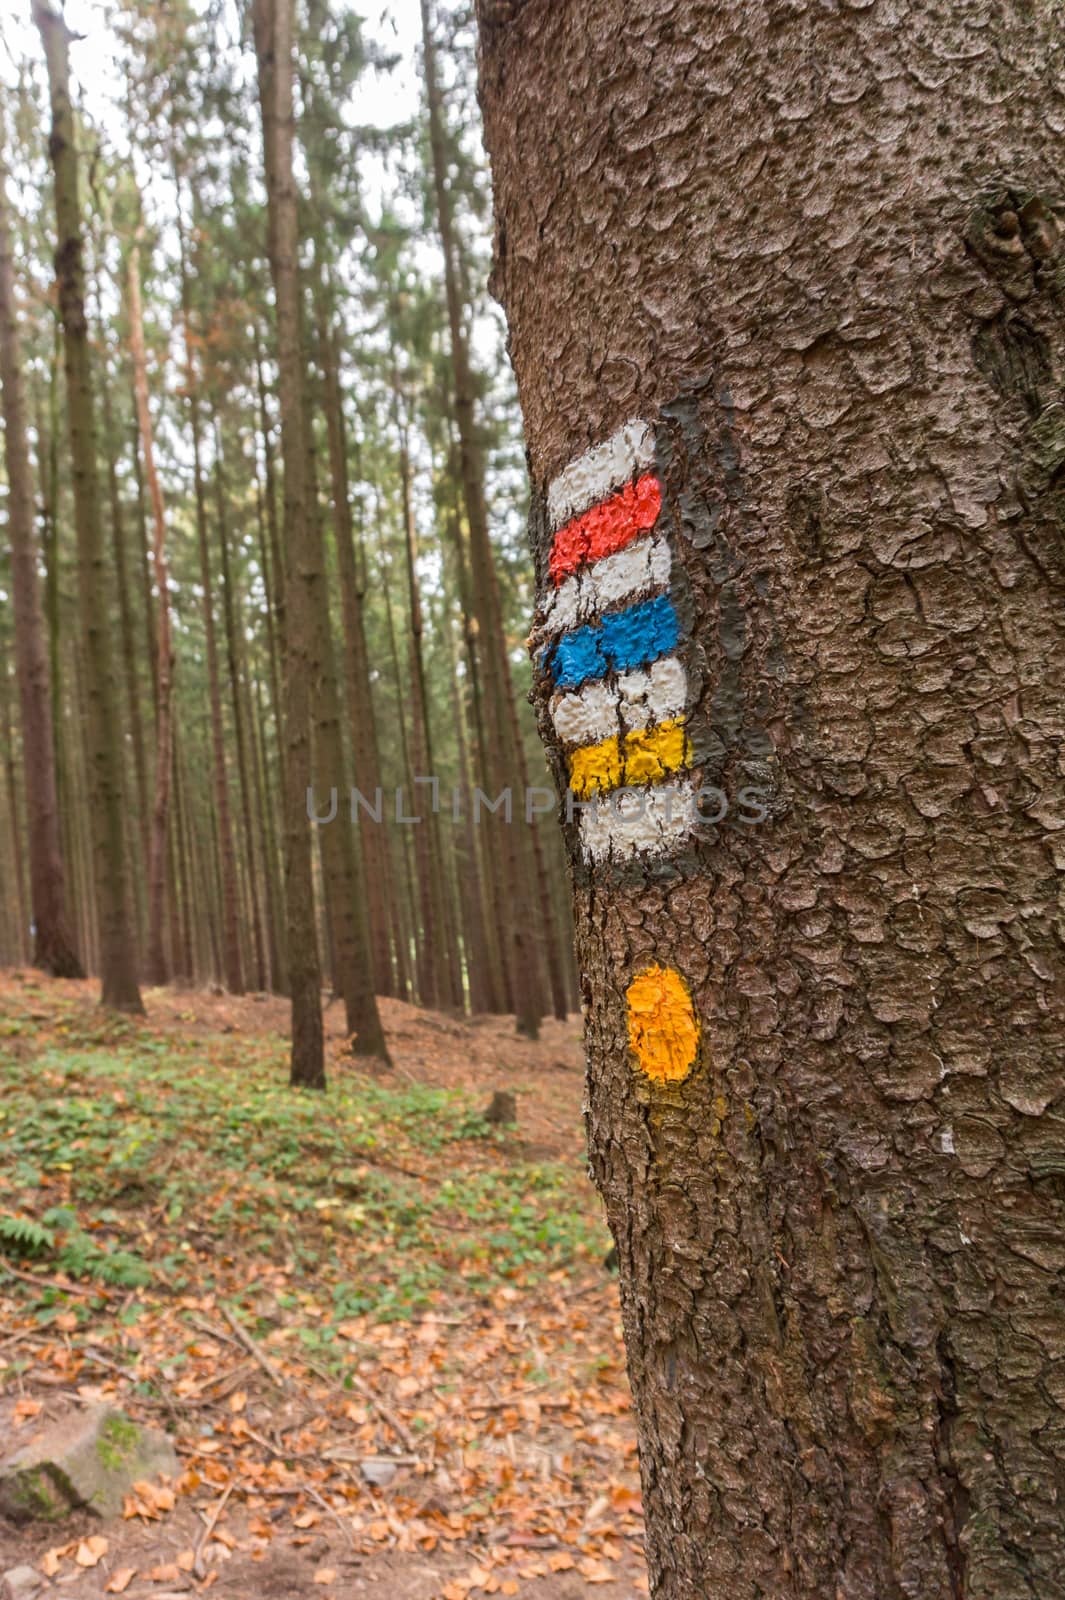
[
  {"x": 663, "y": 1026},
  {"x": 644, "y": 756}
]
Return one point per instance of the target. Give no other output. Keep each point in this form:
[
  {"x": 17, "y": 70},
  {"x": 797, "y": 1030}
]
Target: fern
[{"x": 24, "y": 1237}]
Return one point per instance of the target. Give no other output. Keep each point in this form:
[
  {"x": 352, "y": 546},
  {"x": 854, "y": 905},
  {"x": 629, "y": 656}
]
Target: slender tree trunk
[
  {"x": 348, "y": 924},
  {"x": 233, "y": 965},
  {"x": 796, "y": 278},
  {"x": 17, "y": 837},
  {"x": 125, "y": 618},
  {"x": 164, "y": 731},
  {"x": 504, "y": 752},
  {"x": 265, "y": 819},
  {"x": 229, "y": 612},
  {"x": 54, "y": 949},
  {"x": 367, "y": 766},
  {"x": 272, "y": 21},
  {"x": 119, "y": 987},
  {"x": 499, "y": 996},
  {"x": 432, "y": 966}
]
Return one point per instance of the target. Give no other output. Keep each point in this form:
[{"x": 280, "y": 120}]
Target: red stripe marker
[{"x": 607, "y": 527}]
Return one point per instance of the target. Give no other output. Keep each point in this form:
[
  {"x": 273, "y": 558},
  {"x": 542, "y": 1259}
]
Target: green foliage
[
  {"x": 22, "y": 1236},
  {"x": 162, "y": 1162}
]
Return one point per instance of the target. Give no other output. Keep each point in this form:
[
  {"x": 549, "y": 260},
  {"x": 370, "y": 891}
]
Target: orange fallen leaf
[
  {"x": 90, "y": 1550},
  {"x": 187, "y": 1560},
  {"x": 325, "y": 1575},
  {"x": 120, "y": 1581},
  {"x": 50, "y": 1563},
  {"x": 595, "y": 1571},
  {"x": 562, "y": 1562},
  {"x": 238, "y": 1401},
  {"x": 169, "y": 1572}
]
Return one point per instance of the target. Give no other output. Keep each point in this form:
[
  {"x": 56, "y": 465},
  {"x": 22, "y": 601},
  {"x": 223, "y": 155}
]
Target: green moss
[
  {"x": 35, "y": 1494},
  {"x": 117, "y": 1442}
]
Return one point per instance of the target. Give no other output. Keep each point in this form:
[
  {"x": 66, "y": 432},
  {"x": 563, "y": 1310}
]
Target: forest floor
[{"x": 378, "y": 1329}]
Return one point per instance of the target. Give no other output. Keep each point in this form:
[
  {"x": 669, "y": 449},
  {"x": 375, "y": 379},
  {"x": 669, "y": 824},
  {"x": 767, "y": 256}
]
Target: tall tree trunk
[
  {"x": 432, "y": 979},
  {"x": 125, "y": 618},
  {"x": 366, "y": 760},
  {"x": 272, "y": 21},
  {"x": 233, "y": 965},
  {"x": 54, "y": 948},
  {"x": 117, "y": 955},
  {"x": 264, "y": 813},
  {"x": 797, "y": 274},
  {"x": 504, "y": 752},
  {"x": 233, "y": 666},
  {"x": 164, "y": 730},
  {"x": 345, "y": 899},
  {"x": 14, "y": 808}
]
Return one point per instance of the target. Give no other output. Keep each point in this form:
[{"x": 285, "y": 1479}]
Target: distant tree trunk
[
  {"x": 233, "y": 653},
  {"x": 125, "y": 619},
  {"x": 233, "y": 965},
  {"x": 118, "y": 963},
  {"x": 367, "y": 766},
  {"x": 345, "y": 899},
  {"x": 54, "y": 949},
  {"x": 17, "y": 838},
  {"x": 432, "y": 971},
  {"x": 784, "y": 292},
  {"x": 504, "y": 755},
  {"x": 272, "y": 21},
  {"x": 164, "y": 730}
]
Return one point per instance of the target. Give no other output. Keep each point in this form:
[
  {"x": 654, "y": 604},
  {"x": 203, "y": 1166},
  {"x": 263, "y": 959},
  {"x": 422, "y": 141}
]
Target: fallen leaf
[
  {"x": 325, "y": 1575},
  {"x": 562, "y": 1561},
  {"x": 120, "y": 1581},
  {"x": 169, "y": 1572},
  {"x": 238, "y": 1401},
  {"x": 90, "y": 1550},
  {"x": 50, "y": 1563},
  {"x": 187, "y": 1560}
]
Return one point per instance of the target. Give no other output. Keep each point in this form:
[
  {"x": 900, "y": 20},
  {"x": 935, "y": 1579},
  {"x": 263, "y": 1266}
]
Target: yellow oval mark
[{"x": 663, "y": 1026}]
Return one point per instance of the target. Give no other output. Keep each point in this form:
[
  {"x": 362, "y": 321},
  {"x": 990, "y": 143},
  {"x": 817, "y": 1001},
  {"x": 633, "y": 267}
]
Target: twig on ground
[
  {"x": 324, "y": 1503},
  {"x": 253, "y": 1349},
  {"x": 208, "y": 1528},
  {"x": 38, "y": 1280}
]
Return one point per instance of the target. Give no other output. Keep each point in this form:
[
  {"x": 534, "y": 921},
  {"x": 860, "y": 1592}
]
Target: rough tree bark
[
  {"x": 813, "y": 256},
  {"x": 272, "y": 21},
  {"x": 54, "y": 948},
  {"x": 164, "y": 723},
  {"x": 103, "y": 730}
]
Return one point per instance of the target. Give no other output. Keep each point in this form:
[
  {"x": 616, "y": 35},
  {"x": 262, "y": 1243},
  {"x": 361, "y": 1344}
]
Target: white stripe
[
  {"x": 639, "y": 822},
  {"x": 601, "y": 709},
  {"x": 599, "y": 471},
  {"x": 643, "y": 564},
  {"x": 653, "y": 694}
]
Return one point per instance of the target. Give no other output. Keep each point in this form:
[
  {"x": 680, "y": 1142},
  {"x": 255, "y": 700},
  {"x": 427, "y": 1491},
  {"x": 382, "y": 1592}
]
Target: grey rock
[
  {"x": 21, "y": 1583},
  {"x": 89, "y": 1459}
]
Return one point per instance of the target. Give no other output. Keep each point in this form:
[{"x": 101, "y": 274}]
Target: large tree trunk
[
  {"x": 808, "y": 261},
  {"x": 53, "y": 943},
  {"x": 272, "y": 20},
  {"x": 164, "y": 727},
  {"x": 103, "y": 732}
]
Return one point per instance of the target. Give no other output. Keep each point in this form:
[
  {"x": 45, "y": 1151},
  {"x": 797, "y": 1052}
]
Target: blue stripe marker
[{"x": 622, "y": 641}]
